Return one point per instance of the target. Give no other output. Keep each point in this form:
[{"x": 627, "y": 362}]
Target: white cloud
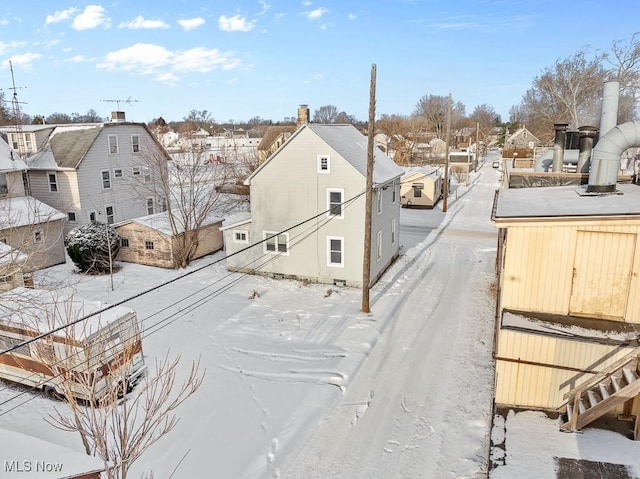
[
  {"x": 306, "y": 3},
  {"x": 265, "y": 6},
  {"x": 77, "y": 59},
  {"x": 234, "y": 24},
  {"x": 4, "y": 22},
  {"x": 6, "y": 46},
  {"x": 140, "y": 23},
  {"x": 93, "y": 16},
  {"x": 25, "y": 59},
  {"x": 167, "y": 65},
  {"x": 60, "y": 15},
  {"x": 317, "y": 13},
  {"x": 191, "y": 23},
  {"x": 316, "y": 77},
  {"x": 352, "y": 16}
]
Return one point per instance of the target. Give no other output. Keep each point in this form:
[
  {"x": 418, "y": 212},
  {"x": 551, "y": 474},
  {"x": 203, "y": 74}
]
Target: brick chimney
[{"x": 303, "y": 115}]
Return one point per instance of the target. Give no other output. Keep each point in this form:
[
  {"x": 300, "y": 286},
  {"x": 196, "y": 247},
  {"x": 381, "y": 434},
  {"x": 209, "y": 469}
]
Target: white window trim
[
  {"x": 394, "y": 231},
  {"x": 379, "y": 246},
  {"x": 151, "y": 203},
  {"x": 55, "y": 175},
  {"x": 106, "y": 215},
  {"x": 319, "y": 159},
  {"x": 132, "y": 143},
  {"x": 109, "y": 145},
  {"x": 102, "y": 172},
  {"x": 235, "y": 238},
  {"x": 329, "y": 263},
  {"x": 335, "y": 190},
  {"x": 395, "y": 193},
  {"x": 136, "y": 171},
  {"x": 118, "y": 172},
  {"x": 267, "y": 234}
]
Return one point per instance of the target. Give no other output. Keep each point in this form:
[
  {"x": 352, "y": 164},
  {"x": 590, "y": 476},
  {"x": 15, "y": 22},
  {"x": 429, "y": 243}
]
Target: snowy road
[{"x": 420, "y": 406}]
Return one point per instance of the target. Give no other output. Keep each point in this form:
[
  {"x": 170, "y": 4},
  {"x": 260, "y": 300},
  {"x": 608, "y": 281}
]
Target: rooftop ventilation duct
[
  {"x": 587, "y": 135},
  {"x": 558, "y": 146}
]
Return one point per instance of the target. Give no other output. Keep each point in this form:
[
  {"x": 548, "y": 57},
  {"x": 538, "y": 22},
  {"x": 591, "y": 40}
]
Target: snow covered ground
[{"x": 300, "y": 383}]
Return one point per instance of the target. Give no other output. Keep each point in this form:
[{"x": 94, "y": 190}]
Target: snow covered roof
[
  {"x": 9, "y": 160},
  {"x": 160, "y": 222},
  {"x": 11, "y": 255},
  {"x": 43, "y": 310},
  {"x": 45, "y": 459},
  {"x": 234, "y": 220},
  {"x": 26, "y": 210},
  {"x": 563, "y": 201},
  {"x": 427, "y": 171}
]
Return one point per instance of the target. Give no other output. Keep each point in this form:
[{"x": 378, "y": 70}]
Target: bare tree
[
  {"x": 433, "y": 109},
  {"x": 191, "y": 187},
  {"x": 325, "y": 114},
  {"x": 486, "y": 119}
]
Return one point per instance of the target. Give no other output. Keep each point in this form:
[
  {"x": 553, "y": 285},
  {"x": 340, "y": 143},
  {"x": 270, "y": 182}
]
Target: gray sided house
[
  {"x": 308, "y": 210},
  {"x": 150, "y": 240},
  {"x": 35, "y": 229},
  {"x": 106, "y": 172}
]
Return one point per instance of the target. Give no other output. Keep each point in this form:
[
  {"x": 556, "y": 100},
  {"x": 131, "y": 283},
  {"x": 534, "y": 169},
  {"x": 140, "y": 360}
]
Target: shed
[
  {"x": 569, "y": 291},
  {"x": 422, "y": 188},
  {"x": 27, "y": 456},
  {"x": 150, "y": 240}
]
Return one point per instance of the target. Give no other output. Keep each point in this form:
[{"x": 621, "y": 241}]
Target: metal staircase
[{"x": 617, "y": 384}]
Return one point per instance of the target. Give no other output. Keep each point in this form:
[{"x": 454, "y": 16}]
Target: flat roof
[{"x": 566, "y": 201}]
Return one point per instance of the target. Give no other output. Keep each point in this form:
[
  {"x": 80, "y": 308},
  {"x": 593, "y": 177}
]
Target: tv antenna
[
  {"x": 17, "y": 116},
  {"x": 128, "y": 101}
]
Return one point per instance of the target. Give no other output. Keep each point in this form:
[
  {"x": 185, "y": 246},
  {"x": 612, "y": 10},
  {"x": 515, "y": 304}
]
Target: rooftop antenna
[
  {"x": 17, "y": 116},
  {"x": 128, "y": 101}
]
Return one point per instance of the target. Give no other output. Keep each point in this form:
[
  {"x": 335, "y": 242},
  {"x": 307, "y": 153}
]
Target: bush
[{"x": 93, "y": 247}]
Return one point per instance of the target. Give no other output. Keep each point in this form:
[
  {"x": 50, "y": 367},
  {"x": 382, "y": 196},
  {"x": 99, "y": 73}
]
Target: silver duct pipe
[
  {"x": 605, "y": 163},
  {"x": 558, "y": 146},
  {"x": 587, "y": 134},
  {"x": 609, "y": 114}
]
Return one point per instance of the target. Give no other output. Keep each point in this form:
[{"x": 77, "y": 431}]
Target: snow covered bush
[{"x": 93, "y": 247}]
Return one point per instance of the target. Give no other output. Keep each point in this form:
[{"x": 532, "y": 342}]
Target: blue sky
[{"x": 252, "y": 58}]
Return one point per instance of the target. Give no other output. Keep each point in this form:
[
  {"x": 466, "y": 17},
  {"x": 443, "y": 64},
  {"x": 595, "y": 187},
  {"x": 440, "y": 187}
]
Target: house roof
[
  {"x": 24, "y": 449},
  {"x": 26, "y": 210},
  {"x": 49, "y": 309},
  {"x": 351, "y": 145},
  {"x": 160, "y": 222},
  {"x": 565, "y": 201},
  {"x": 9, "y": 161},
  {"x": 272, "y": 133},
  {"x": 235, "y": 220}
]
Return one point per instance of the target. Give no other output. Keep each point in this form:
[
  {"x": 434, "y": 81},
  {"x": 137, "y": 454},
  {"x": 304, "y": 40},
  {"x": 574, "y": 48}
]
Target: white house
[
  {"x": 308, "y": 210},
  {"x": 99, "y": 172}
]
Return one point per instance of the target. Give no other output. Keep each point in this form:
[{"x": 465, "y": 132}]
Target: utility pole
[
  {"x": 475, "y": 167},
  {"x": 445, "y": 195},
  {"x": 366, "y": 260}
]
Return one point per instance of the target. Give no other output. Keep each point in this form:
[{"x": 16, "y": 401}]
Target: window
[
  {"x": 147, "y": 174},
  {"x": 25, "y": 183},
  {"x": 394, "y": 194},
  {"x": 323, "y": 164},
  {"x": 148, "y": 245},
  {"x": 276, "y": 243},
  {"x": 334, "y": 203},
  {"x": 37, "y": 236},
  {"x": 149, "y": 206},
  {"x": 53, "y": 182},
  {"x": 240, "y": 236},
  {"x": 110, "y": 214},
  {"x": 117, "y": 173},
  {"x": 124, "y": 242},
  {"x": 113, "y": 144},
  {"x": 71, "y": 216},
  {"x": 14, "y": 141},
  {"x": 135, "y": 143},
  {"x": 417, "y": 189},
  {"x": 394, "y": 228},
  {"x": 92, "y": 216},
  {"x": 163, "y": 203},
  {"x": 335, "y": 256},
  {"x": 379, "y": 245},
  {"x": 379, "y": 200},
  {"x": 136, "y": 171},
  {"x": 106, "y": 179}
]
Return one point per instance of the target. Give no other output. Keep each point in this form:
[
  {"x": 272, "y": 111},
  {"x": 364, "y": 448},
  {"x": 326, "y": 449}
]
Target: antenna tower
[
  {"x": 17, "y": 116},
  {"x": 128, "y": 101}
]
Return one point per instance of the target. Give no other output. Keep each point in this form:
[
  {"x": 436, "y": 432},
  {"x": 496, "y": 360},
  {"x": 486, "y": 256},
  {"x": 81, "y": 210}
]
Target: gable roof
[
  {"x": 160, "y": 222},
  {"x": 351, "y": 145},
  {"x": 272, "y": 133},
  {"x": 26, "y": 210},
  {"x": 9, "y": 160}
]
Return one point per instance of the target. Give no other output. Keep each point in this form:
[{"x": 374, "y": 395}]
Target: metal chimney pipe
[
  {"x": 587, "y": 134},
  {"x": 609, "y": 114},
  {"x": 558, "y": 146},
  {"x": 606, "y": 156}
]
